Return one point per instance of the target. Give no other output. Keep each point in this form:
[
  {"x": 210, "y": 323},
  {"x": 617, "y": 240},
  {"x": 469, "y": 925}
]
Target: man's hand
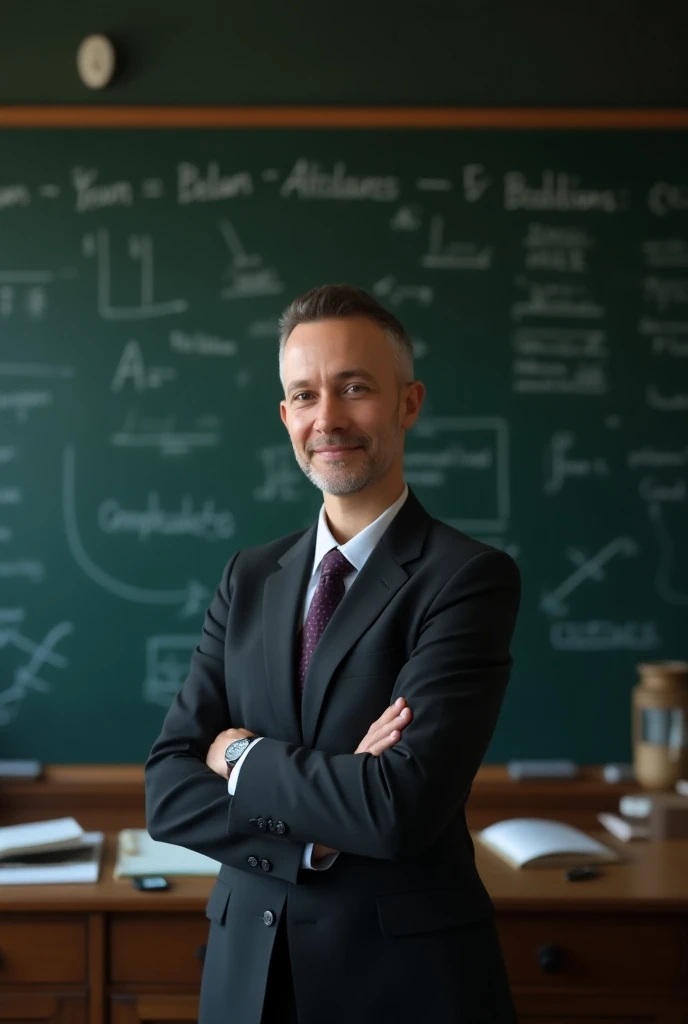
[
  {"x": 215, "y": 758},
  {"x": 386, "y": 731},
  {"x": 383, "y": 734}
]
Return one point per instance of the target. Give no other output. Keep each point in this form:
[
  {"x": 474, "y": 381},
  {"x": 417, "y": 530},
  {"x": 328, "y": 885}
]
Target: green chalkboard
[{"x": 543, "y": 276}]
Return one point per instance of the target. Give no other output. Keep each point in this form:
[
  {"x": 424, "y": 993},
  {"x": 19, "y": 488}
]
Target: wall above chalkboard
[{"x": 541, "y": 268}]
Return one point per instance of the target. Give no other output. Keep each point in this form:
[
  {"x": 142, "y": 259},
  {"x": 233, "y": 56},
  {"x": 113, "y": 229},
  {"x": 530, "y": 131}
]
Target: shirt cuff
[
  {"x": 306, "y": 861},
  {"x": 323, "y": 864},
  {"x": 234, "y": 774}
]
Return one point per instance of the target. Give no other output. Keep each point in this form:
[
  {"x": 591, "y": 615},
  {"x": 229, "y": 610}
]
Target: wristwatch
[{"x": 235, "y": 750}]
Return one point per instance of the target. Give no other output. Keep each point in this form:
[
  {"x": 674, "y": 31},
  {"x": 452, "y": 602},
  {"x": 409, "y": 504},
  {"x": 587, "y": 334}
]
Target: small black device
[
  {"x": 150, "y": 883},
  {"x": 582, "y": 873}
]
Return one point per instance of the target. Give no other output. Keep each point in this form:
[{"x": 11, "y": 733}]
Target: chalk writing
[
  {"x": 198, "y": 343},
  {"x": 665, "y": 197},
  {"x": 94, "y": 195},
  {"x": 556, "y": 190},
  {"x": 132, "y": 368},
  {"x": 190, "y": 598},
  {"x": 443, "y": 255},
  {"x": 162, "y": 434},
  {"x": 559, "y": 466},
  {"x": 603, "y": 635},
  {"x": 282, "y": 481},
  {"x": 167, "y": 666},
  {"x": 306, "y": 180},
  {"x": 206, "y": 523},
  {"x": 196, "y": 186},
  {"x": 21, "y": 403}
]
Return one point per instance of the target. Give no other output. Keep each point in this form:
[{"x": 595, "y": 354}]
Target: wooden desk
[{"x": 612, "y": 950}]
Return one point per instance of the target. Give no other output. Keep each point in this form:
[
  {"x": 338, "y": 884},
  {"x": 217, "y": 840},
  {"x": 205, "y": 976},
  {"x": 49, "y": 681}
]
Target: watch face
[{"x": 235, "y": 749}]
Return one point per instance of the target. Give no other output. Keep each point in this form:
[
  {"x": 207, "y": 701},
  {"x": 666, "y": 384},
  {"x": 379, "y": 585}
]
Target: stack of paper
[
  {"x": 48, "y": 852},
  {"x": 138, "y": 854}
]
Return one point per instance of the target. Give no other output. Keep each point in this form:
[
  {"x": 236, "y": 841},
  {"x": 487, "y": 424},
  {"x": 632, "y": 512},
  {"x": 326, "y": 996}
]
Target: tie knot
[{"x": 335, "y": 564}]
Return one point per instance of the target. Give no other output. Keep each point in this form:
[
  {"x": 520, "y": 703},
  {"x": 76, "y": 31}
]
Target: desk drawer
[
  {"x": 36, "y": 948},
  {"x": 157, "y": 948},
  {"x": 595, "y": 950}
]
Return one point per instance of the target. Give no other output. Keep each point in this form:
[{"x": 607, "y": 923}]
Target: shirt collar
[{"x": 360, "y": 547}]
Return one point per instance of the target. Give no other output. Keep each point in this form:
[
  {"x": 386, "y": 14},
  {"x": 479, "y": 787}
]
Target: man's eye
[{"x": 361, "y": 387}]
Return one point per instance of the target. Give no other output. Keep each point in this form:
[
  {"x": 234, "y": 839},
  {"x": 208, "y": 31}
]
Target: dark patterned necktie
[{"x": 327, "y": 595}]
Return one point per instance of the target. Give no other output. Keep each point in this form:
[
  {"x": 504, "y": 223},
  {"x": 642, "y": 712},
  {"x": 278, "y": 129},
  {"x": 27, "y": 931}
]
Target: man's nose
[{"x": 331, "y": 415}]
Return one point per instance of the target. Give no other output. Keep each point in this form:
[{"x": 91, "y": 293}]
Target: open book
[{"x": 538, "y": 842}]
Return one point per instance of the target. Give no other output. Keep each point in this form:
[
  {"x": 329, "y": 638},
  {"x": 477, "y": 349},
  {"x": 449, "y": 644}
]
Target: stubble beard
[{"x": 340, "y": 480}]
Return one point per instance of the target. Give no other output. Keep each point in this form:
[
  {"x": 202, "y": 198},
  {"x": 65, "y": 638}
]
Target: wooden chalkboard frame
[{"x": 342, "y": 117}]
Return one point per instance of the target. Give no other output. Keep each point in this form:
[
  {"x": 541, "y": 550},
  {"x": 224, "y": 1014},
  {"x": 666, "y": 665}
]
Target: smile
[{"x": 334, "y": 453}]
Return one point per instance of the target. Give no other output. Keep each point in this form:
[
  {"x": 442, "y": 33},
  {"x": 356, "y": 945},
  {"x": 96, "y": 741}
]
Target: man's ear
[
  {"x": 412, "y": 403},
  {"x": 283, "y": 412}
]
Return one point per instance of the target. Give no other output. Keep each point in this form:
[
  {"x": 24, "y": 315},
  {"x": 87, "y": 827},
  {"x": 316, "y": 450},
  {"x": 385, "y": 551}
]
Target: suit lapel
[
  {"x": 282, "y": 608},
  {"x": 376, "y": 584}
]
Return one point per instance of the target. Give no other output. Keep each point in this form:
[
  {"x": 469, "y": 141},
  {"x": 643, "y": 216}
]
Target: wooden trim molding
[
  {"x": 341, "y": 117},
  {"x": 111, "y": 796}
]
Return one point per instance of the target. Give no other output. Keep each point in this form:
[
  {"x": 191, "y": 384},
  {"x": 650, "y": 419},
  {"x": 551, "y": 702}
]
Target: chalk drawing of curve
[{"x": 192, "y": 598}]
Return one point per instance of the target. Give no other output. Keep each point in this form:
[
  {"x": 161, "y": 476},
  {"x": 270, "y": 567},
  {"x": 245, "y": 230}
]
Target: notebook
[
  {"x": 539, "y": 842},
  {"x": 138, "y": 854},
  {"x": 77, "y": 864},
  {"x": 54, "y": 834}
]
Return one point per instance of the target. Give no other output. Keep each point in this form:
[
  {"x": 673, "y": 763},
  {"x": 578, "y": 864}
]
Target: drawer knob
[
  {"x": 200, "y": 952},
  {"x": 550, "y": 958}
]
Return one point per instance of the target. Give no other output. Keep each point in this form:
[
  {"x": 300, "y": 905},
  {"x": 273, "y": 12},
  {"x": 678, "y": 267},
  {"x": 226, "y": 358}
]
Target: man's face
[{"x": 344, "y": 405}]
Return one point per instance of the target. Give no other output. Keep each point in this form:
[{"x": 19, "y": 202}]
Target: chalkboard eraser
[
  {"x": 20, "y": 769},
  {"x": 542, "y": 769},
  {"x": 618, "y": 773}
]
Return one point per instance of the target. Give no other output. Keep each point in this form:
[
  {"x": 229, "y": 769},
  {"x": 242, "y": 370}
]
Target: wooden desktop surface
[{"x": 653, "y": 877}]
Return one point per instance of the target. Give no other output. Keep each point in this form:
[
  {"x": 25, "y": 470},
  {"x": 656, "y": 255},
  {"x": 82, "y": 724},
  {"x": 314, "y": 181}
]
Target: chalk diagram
[
  {"x": 663, "y": 583},
  {"x": 247, "y": 276},
  {"x": 192, "y": 598},
  {"x": 97, "y": 246},
  {"x": 25, "y": 678},
  {"x": 167, "y": 665},
  {"x": 593, "y": 568}
]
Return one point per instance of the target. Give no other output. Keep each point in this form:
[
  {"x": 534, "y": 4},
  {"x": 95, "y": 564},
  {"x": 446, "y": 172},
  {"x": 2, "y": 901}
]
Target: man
[{"x": 348, "y": 890}]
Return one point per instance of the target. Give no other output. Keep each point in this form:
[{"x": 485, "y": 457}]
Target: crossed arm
[
  {"x": 372, "y": 806},
  {"x": 381, "y": 735}
]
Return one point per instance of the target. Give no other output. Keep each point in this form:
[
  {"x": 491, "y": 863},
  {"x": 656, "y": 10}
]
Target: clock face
[{"x": 95, "y": 61}]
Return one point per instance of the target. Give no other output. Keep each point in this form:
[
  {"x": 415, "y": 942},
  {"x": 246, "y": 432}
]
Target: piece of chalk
[
  {"x": 618, "y": 773},
  {"x": 559, "y": 769}
]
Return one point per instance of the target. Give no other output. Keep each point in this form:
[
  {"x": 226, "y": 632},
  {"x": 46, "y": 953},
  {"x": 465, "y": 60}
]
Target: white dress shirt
[{"x": 357, "y": 551}]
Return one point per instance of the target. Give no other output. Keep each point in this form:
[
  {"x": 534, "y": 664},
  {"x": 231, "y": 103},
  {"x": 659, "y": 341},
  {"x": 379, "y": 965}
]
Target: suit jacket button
[
  {"x": 260, "y": 822},
  {"x": 266, "y": 865},
  {"x": 253, "y": 861},
  {"x": 280, "y": 828},
  {"x": 268, "y": 917},
  {"x": 253, "y": 821},
  {"x": 271, "y": 825}
]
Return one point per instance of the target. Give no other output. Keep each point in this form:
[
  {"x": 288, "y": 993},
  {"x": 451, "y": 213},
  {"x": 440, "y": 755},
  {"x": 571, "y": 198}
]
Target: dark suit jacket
[{"x": 401, "y": 926}]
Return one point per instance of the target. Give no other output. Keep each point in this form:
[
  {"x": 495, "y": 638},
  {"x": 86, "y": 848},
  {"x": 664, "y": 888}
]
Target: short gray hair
[{"x": 338, "y": 302}]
